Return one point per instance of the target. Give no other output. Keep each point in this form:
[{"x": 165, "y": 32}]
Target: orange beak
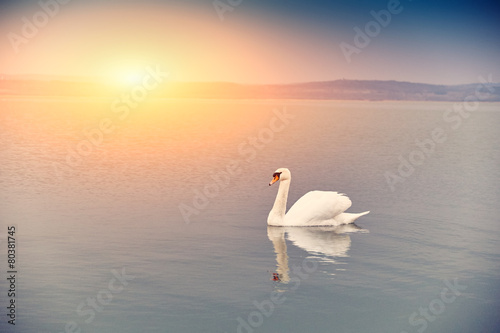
[{"x": 275, "y": 179}]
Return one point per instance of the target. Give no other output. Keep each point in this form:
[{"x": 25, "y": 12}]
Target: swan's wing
[{"x": 316, "y": 206}]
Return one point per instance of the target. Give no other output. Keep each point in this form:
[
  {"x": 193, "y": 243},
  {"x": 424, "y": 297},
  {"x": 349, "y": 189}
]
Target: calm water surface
[{"x": 425, "y": 259}]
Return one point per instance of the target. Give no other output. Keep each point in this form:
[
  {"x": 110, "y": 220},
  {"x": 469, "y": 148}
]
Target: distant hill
[
  {"x": 41, "y": 77},
  {"x": 328, "y": 90}
]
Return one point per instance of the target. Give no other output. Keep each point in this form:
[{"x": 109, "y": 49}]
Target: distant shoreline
[{"x": 363, "y": 90}]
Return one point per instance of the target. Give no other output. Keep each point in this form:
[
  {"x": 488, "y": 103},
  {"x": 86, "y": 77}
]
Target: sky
[{"x": 253, "y": 41}]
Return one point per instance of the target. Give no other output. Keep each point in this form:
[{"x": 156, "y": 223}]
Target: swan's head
[{"x": 280, "y": 174}]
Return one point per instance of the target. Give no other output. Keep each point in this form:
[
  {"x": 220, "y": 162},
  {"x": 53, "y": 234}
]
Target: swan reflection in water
[{"x": 323, "y": 243}]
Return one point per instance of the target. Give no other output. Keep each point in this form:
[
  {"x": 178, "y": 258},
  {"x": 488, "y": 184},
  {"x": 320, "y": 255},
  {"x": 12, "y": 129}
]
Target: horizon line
[{"x": 52, "y": 77}]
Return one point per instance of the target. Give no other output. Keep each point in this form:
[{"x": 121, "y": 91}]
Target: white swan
[{"x": 315, "y": 208}]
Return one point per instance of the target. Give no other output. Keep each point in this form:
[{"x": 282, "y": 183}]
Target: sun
[
  {"x": 132, "y": 77},
  {"x": 125, "y": 73}
]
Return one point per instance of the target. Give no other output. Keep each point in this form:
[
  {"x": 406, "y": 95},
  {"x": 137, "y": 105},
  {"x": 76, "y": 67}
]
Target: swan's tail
[
  {"x": 346, "y": 218},
  {"x": 362, "y": 214}
]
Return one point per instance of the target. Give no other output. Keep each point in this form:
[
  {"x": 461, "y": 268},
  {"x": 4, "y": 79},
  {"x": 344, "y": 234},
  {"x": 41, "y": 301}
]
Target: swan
[{"x": 314, "y": 209}]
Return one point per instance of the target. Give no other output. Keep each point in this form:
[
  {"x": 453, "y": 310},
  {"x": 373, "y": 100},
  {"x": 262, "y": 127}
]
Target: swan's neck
[{"x": 277, "y": 214}]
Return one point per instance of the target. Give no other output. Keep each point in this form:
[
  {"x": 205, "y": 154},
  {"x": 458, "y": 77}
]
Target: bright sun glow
[
  {"x": 132, "y": 77},
  {"x": 126, "y": 73}
]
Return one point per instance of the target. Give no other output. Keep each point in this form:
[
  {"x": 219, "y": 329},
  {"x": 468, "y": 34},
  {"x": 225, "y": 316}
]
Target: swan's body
[{"x": 315, "y": 208}]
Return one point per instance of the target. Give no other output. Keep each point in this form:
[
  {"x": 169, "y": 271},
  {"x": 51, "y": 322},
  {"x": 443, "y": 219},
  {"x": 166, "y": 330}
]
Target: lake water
[{"x": 153, "y": 219}]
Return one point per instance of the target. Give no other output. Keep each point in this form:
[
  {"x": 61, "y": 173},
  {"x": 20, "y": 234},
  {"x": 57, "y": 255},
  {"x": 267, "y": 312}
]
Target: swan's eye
[{"x": 276, "y": 177}]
